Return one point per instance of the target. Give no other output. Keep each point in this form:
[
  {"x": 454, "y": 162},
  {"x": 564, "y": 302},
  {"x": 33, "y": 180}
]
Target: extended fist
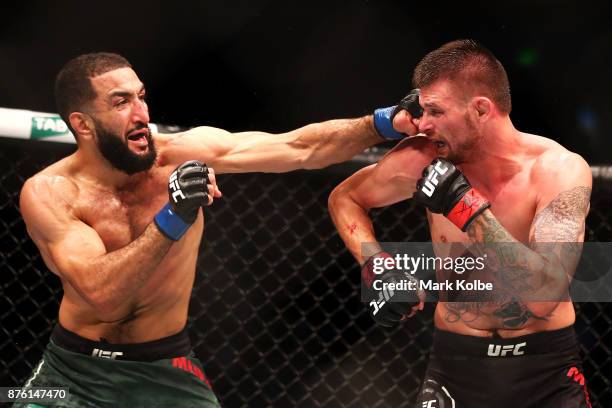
[
  {"x": 443, "y": 189},
  {"x": 383, "y": 117}
]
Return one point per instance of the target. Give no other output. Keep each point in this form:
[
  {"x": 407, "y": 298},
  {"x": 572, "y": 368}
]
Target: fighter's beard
[
  {"x": 118, "y": 154},
  {"x": 469, "y": 149}
]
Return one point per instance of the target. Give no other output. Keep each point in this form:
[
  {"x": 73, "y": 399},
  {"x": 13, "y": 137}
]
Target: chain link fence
[{"x": 275, "y": 314}]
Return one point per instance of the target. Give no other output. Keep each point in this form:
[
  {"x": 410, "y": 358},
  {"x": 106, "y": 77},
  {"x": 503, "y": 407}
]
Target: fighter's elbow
[
  {"x": 107, "y": 309},
  {"x": 342, "y": 200},
  {"x": 105, "y": 305},
  {"x": 337, "y": 198}
]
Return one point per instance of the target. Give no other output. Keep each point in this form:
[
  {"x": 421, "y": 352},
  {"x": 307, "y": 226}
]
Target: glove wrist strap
[
  {"x": 470, "y": 206},
  {"x": 383, "y": 122},
  {"x": 367, "y": 272},
  {"x": 170, "y": 223}
]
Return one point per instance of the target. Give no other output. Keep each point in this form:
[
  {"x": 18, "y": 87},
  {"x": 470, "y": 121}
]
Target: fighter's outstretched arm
[{"x": 313, "y": 146}]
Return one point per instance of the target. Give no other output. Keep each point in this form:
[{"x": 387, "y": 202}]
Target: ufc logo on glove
[
  {"x": 174, "y": 186},
  {"x": 443, "y": 189},
  {"x": 432, "y": 179},
  {"x": 383, "y": 296}
]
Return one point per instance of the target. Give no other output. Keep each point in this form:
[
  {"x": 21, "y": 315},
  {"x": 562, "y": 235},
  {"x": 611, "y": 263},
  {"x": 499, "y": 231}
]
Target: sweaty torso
[
  {"x": 513, "y": 203},
  {"x": 160, "y": 306}
]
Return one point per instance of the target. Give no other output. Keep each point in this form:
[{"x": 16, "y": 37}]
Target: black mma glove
[
  {"x": 187, "y": 192},
  {"x": 387, "y": 307},
  {"x": 443, "y": 189},
  {"x": 383, "y": 117}
]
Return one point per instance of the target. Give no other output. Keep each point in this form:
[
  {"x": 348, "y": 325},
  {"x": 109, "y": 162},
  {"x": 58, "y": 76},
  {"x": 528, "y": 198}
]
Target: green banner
[{"x": 47, "y": 126}]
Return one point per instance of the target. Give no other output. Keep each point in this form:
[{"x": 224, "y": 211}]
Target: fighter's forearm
[
  {"x": 335, "y": 141},
  {"x": 114, "y": 279},
  {"x": 352, "y": 222},
  {"x": 521, "y": 274}
]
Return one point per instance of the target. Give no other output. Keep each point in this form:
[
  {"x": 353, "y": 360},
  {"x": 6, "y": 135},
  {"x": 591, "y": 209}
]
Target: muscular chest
[
  {"x": 121, "y": 216},
  {"x": 513, "y": 205}
]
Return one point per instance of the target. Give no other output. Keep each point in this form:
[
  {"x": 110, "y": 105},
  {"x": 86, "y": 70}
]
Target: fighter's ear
[
  {"x": 483, "y": 107},
  {"x": 82, "y": 125}
]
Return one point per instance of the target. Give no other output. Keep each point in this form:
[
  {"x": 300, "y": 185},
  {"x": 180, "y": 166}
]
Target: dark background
[
  {"x": 294, "y": 334},
  {"x": 274, "y": 65}
]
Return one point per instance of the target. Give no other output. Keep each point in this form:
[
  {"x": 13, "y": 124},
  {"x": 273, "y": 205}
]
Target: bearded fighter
[{"x": 120, "y": 223}]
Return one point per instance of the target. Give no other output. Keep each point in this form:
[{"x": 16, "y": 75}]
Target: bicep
[
  {"x": 562, "y": 209},
  {"x": 562, "y": 219},
  {"x": 557, "y": 231},
  {"x": 66, "y": 243},
  {"x": 262, "y": 152},
  {"x": 237, "y": 152}
]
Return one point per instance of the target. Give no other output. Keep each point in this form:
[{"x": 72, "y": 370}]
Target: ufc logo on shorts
[
  {"x": 174, "y": 186},
  {"x": 496, "y": 350},
  {"x": 432, "y": 179},
  {"x": 106, "y": 354},
  {"x": 383, "y": 297},
  {"x": 429, "y": 404}
]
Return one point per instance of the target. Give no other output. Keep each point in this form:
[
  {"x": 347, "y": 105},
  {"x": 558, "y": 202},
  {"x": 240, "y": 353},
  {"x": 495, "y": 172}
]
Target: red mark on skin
[
  {"x": 352, "y": 228},
  {"x": 443, "y": 238}
]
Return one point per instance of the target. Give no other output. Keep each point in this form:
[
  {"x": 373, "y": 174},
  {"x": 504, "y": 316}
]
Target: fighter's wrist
[
  {"x": 383, "y": 123},
  {"x": 376, "y": 265},
  {"x": 368, "y": 121},
  {"x": 470, "y": 206},
  {"x": 170, "y": 223}
]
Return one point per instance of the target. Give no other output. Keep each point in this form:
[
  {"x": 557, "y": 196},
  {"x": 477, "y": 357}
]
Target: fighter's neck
[
  {"x": 500, "y": 156},
  {"x": 97, "y": 170}
]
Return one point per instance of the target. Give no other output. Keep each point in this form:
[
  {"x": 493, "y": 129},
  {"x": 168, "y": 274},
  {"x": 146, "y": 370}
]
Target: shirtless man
[
  {"x": 524, "y": 190},
  {"x": 121, "y": 228}
]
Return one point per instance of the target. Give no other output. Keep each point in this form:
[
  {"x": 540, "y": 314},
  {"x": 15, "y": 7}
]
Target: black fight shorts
[{"x": 538, "y": 370}]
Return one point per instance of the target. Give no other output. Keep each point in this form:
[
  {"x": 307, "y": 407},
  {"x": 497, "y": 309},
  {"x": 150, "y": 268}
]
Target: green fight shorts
[{"x": 161, "y": 373}]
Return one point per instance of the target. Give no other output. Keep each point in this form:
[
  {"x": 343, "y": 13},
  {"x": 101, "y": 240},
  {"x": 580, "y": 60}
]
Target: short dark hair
[
  {"x": 73, "y": 88},
  {"x": 467, "y": 62}
]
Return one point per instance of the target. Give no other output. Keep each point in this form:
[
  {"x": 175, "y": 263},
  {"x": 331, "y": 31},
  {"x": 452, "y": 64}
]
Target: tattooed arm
[{"x": 532, "y": 279}]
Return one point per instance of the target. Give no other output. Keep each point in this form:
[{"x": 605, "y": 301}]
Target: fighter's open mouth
[{"x": 137, "y": 135}]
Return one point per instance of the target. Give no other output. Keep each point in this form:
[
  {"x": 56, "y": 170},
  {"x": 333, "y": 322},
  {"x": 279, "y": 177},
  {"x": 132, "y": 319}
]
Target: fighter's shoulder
[
  {"x": 555, "y": 164},
  {"x": 49, "y": 188}
]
